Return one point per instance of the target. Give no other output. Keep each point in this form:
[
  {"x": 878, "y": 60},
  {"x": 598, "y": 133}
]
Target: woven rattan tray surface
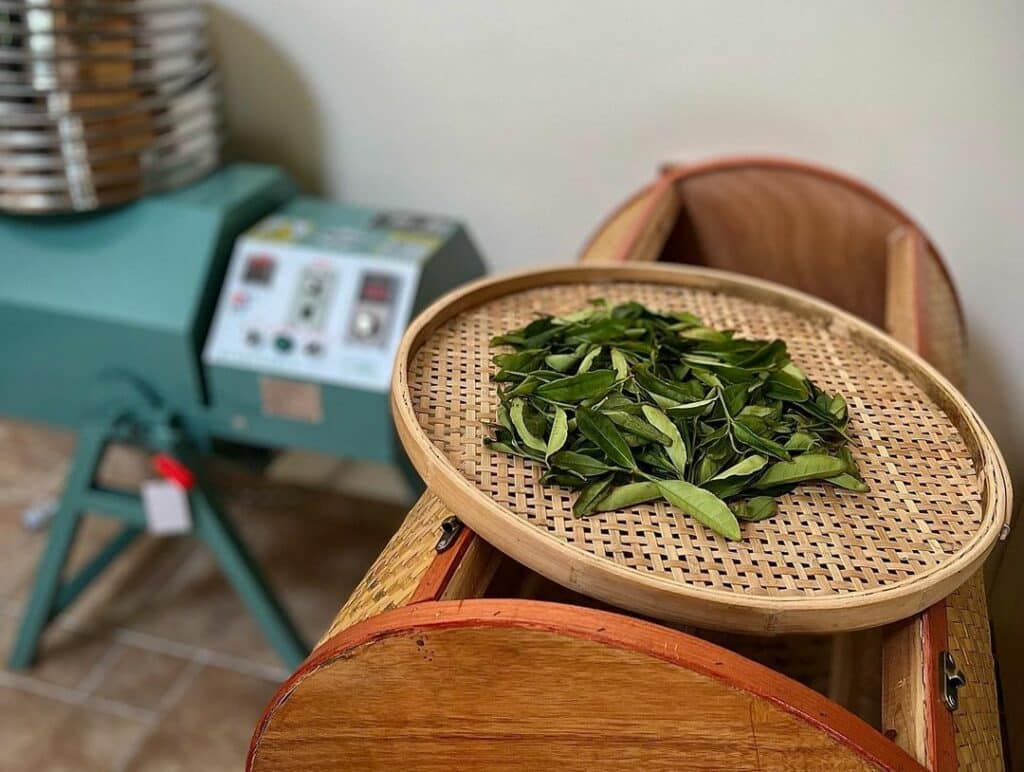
[{"x": 830, "y": 560}]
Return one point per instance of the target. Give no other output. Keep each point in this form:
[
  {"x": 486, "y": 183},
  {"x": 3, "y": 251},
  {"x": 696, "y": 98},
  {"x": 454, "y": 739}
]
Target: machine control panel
[{"x": 328, "y": 311}]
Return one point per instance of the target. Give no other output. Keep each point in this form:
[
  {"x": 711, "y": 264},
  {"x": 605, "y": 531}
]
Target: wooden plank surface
[{"x": 509, "y": 684}]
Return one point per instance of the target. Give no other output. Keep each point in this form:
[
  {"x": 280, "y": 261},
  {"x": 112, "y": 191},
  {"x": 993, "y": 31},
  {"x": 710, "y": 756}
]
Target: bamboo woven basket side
[{"x": 392, "y": 579}]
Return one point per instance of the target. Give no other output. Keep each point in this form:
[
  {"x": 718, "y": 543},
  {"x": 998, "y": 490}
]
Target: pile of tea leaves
[{"x": 627, "y": 406}]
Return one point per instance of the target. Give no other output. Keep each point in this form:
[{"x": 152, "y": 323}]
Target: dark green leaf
[
  {"x": 759, "y": 443},
  {"x": 578, "y": 463},
  {"x": 600, "y": 430},
  {"x": 755, "y": 509},
  {"x": 586, "y": 502},
  {"x": 578, "y": 387},
  {"x": 637, "y": 426}
]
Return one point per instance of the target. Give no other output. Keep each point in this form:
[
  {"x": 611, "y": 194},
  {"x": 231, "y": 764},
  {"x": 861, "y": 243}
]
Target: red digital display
[
  {"x": 259, "y": 270},
  {"x": 376, "y": 288}
]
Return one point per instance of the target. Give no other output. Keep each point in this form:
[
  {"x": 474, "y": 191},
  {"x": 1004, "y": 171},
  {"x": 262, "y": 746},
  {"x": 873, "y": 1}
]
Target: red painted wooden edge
[
  {"x": 612, "y": 630},
  {"x": 672, "y": 173},
  {"x": 442, "y": 568},
  {"x": 922, "y": 344},
  {"x": 941, "y": 737}
]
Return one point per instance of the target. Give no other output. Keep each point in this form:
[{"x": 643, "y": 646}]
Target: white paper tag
[{"x": 166, "y": 506}]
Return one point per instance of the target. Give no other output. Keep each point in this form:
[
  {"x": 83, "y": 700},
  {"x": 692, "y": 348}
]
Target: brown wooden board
[{"x": 514, "y": 684}]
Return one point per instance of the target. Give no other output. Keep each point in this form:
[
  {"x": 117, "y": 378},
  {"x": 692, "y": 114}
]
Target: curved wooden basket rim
[
  {"x": 675, "y": 172},
  {"x": 553, "y": 558}
]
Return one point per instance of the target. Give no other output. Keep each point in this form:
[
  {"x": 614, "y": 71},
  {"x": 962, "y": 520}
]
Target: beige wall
[{"x": 531, "y": 119}]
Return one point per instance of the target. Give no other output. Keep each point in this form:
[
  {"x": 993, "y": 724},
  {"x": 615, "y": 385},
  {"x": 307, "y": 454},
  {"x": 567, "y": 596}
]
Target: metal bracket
[
  {"x": 450, "y": 528},
  {"x": 951, "y": 679}
]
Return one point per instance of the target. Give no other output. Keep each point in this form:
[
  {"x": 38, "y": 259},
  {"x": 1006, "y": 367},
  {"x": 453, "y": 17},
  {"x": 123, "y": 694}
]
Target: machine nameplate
[{"x": 297, "y": 400}]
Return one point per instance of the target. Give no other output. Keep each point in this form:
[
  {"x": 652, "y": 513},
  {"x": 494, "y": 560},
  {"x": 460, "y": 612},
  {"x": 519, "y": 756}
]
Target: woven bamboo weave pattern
[
  {"x": 978, "y": 743},
  {"x": 397, "y": 571},
  {"x": 924, "y": 506}
]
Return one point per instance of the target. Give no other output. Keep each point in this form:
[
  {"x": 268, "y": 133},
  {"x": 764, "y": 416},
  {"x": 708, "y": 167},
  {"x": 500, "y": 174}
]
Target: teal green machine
[{"x": 231, "y": 309}]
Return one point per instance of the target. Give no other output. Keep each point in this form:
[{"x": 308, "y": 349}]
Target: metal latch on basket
[
  {"x": 450, "y": 528},
  {"x": 952, "y": 678}
]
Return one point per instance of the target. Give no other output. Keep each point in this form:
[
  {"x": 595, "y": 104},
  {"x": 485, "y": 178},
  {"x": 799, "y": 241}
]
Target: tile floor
[{"x": 157, "y": 666}]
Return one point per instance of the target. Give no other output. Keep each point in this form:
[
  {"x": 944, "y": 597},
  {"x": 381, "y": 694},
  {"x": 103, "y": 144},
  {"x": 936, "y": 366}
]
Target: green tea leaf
[
  {"x": 690, "y": 409},
  {"x": 849, "y": 482},
  {"x": 625, "y": 496},
  {"x": 785, "y": 386},
  {"x": 586, "y": 502},
  {"x": 637, "y": 426},
  {"x": 619, "y": 364},
  {"x": 748, "y": 466},
  {"x": 759, "y": 443},
  {"x": 799, "y": 441},
  {"x": 701, "y": 505},
  {"x": 600, "y": 430},
  {"x": 575, "y": 388},
  {"x": 519, "y": 422},
  {"x": 755, "y": 509},
  {"x": 559, "y": 433},
  {"x": 676, "y": 451},
  {"x": 561, "y": 362},
  {"x": 809, "y": 466},
  {"x": 504, "y": 447},
  {"x": 578, "y": 463},
  {"x": 588, "y": 360}
]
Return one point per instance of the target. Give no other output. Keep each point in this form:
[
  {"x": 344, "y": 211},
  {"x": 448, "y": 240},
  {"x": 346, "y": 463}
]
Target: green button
[{"x": 283, "y": 343}]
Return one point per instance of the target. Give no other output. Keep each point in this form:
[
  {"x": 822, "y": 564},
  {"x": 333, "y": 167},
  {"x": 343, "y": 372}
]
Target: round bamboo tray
[{"x": 830, "y": 560}]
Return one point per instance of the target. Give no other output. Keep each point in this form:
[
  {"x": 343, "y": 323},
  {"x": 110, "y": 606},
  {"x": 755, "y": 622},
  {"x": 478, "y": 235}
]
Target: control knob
[{"x": 365, "y": 324}]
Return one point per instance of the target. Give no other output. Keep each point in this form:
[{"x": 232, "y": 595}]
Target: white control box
[{"x": 322, "y": 309}]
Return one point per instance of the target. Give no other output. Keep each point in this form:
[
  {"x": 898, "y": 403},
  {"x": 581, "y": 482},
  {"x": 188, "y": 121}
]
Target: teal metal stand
[{"x": 51, "y": 594}]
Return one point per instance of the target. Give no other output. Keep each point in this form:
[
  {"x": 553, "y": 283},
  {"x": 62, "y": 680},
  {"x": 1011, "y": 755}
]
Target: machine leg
[
  {"x": 39, "y": 607},
  {"x": 215, "y": 530}
]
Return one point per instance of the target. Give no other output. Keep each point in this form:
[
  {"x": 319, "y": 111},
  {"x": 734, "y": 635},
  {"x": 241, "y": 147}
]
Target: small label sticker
[
  {"x": 166, "y": 507},
  {"x": 297, "y": 400}
]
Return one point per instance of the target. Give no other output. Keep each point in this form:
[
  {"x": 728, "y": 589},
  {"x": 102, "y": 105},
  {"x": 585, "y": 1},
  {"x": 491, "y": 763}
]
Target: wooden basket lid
[{"x": 830, "y": 560}]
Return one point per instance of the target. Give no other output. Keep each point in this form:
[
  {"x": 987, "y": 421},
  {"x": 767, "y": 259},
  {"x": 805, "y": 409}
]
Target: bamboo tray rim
[{"x": 573, "y": 566}]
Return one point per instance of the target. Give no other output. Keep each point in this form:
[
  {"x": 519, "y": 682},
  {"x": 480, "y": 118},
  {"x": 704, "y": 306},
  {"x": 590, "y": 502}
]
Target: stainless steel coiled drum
[{"x": 103, "y": 101}]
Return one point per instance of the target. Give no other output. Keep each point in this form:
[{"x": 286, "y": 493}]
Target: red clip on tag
[{"x": 171, "y": 469}]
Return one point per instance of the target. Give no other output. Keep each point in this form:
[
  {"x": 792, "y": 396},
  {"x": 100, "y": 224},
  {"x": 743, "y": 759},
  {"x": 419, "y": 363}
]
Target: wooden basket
[
  {"x": 460, "y": 657},
  {"x": 829, "y": 561}
]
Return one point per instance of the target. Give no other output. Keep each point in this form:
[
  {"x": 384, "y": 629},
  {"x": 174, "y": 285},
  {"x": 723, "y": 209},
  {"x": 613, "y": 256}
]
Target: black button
[
  {"x": 314, "y": 349},
  {"x": 283, "y": 343},
  {"x": 253, "y": 337}
]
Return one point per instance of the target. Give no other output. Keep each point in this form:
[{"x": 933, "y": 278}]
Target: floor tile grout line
[
  {"x": 181, "y": 685},
  {"x": 210, "y": 656},
  {"x": 186, "y": 651},
  {"x": 73, "y": 696},
  {"x": 92, "y": 679},
  {"x": 169, "y": 699}
]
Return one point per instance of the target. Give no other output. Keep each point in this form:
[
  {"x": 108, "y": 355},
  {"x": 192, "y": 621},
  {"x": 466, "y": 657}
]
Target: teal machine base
[{"x": 231, "y": 309}]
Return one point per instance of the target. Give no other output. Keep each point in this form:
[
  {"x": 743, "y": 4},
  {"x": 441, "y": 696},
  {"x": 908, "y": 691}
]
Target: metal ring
[
  {"x": 96, "y": 154},
  {"x": 23, "y": 113},
  {"x": 138, "y": 167},
  {"x": 59, "y": 203},
  {"x": 47, "y": 77}
]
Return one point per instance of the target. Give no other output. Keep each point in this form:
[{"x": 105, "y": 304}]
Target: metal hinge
[
  {"x": 951, "y": 679},
  {"x": 450, "y": 528}
]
